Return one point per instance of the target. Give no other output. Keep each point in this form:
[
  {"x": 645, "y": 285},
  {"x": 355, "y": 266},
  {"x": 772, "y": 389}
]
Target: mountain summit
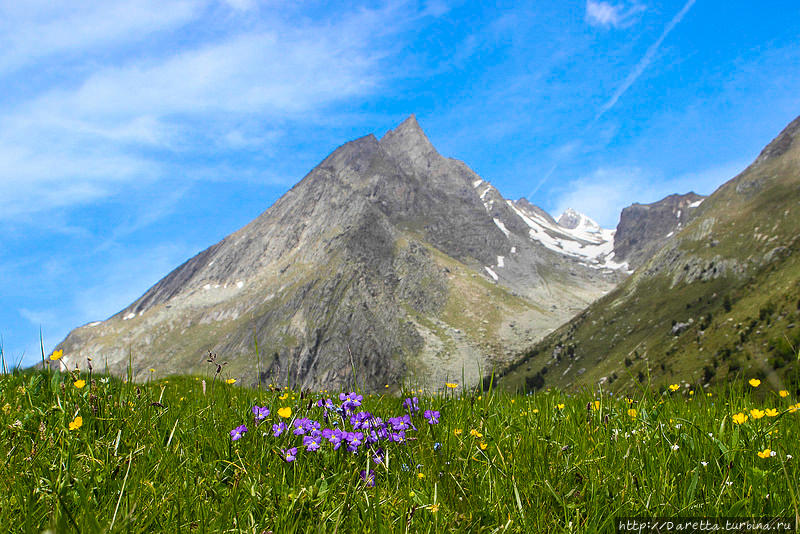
[{"x": 386, "y": 262}]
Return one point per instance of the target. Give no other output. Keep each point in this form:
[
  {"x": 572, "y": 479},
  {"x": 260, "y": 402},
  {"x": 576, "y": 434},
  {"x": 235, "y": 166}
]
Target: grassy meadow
[{"x": 94, "y": 453}]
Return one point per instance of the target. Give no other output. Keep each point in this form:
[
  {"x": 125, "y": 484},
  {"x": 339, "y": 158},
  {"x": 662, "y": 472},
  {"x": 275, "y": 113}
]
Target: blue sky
[{"x": 136, "y": 133}]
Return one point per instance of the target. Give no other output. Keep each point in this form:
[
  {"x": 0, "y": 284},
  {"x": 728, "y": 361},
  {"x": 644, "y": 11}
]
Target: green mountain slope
[{"x": 721, "y": 299}]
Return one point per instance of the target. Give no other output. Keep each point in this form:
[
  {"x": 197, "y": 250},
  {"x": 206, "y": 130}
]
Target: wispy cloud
[
  {"x": 605, "y": 14},
  {"x": 88, "y": 139},
  {"x": 38, "y": 29},
  {"x": 645, "y": 61},
  {"x": 604, "y": 192}
]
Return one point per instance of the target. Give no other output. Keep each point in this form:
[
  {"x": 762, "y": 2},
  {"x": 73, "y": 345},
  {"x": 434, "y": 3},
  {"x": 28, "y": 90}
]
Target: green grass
[{"x": 158, "y": 456}]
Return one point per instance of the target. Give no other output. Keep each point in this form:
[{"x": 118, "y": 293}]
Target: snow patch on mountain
[
  {"x": 574, "y": 235},
  {"x": 502, "y": 226}
]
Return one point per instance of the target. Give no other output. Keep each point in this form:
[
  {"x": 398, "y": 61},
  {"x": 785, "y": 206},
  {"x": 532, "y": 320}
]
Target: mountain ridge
[{"x": 387, "y": 260}]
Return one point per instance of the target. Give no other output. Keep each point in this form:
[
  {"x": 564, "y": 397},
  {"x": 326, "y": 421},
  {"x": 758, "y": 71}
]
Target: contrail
[
  {"x": 645, "y": 61},
  {"x": 543, "y": 180},
  {"x": 629, "y": 80}
]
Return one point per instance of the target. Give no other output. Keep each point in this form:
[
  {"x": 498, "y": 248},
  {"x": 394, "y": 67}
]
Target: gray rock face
[
  {"x": 570, "y": 219},
  {"x": 387, "y": 262},
  {"x": 645, "y": 228}
]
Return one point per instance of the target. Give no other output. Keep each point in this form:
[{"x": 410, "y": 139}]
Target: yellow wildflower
[
  {"x": 79, "y": 383},
  {"x": 632, "y": 413},
  {"x": 284, "y": 396},
  {"x": 285, "y": 412},
  {"x": 755, "y": 382},
  {"x": 739, "y": 418},
  {"x": 674, "y": 387},
  {"x": 596, "y": 405},
  {"x": 560, "y": 406},
  {"x": 230, "y": 381},
  {"x": 755, "y": 413},
  {"x": 482, "y": 445},
  {"x": 76, "y": 423},
  {"x": 536, "y": 410},
  {"x": 57, "y": 354},
  {"x": 457, "y": 431},
  {"x": 434, "y": 508},
  {"x": 783, "y": 393},
  {"x": 691, "y": 392},
  {"x": 420, "y": 475},
  {"x": 152, "y": 370},
  {"x": 475, "y": 433},
  {"x": 451, "y": 385},
  {"x": 771, "y": 412},
  {"x": 766, "y": 453}
]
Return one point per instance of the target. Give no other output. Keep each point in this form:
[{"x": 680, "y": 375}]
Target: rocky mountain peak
[
  {"x": 409, "y": 145},
  {"x": 572, "y": 219},
  {"x": 780, "y": 144},
  {"x": 644, "y": 228},
  {"x": 386, "y": 257},
  {"x": 354, "y": 155}
]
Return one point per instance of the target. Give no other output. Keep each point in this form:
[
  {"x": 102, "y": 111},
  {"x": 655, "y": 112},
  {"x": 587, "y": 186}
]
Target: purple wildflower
[
  {"x": 278, "y": 429},
  {"x": 312, "y": 442},
  {"x": 411, "y": 404},
  {"x": 325, "y": 403},
  {"x": 398, "y": 437},
  {"x": 289, "y": 454},
  {"x": 238, "y": 432},
  {"x": 305, "y": 425},
  {"x": 300, "y": 425},
  {"x": 354, "y": 441},
  {"x": 350, "y": 401},
  {"x": 400, "y": 423},
  {"x": 369, "y": 479},
  {"x": 260, "y": 412},
  {"x": 335, "y": 437},
  {"x": 432, "y": 416},
  {"x": 378, "y": 455},
  {"x": 360, "y": 420},
  {"x": 372, "y": 437}
]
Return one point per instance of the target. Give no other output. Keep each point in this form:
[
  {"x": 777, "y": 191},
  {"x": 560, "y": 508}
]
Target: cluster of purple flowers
[{"x": 367, "y": 432}]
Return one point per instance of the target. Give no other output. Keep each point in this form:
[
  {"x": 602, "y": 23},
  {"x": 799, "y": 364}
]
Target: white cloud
[
  {"x": 602, "y": 13},
  {"x": 83, "y": 142},
  {"x": 36, "y": 29},
  {"x": 599, "y": 13},
  {"x": 37, "y": 181},
  {"x": 280, "y": 71},
  {"x": 603, "y": 193}
]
